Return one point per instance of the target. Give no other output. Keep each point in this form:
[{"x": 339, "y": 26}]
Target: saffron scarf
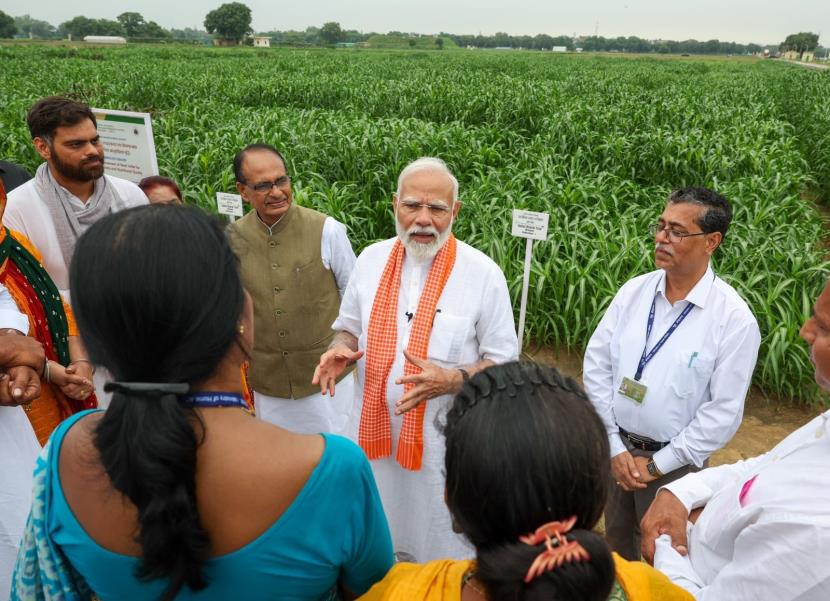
[{"x": 375, "y": 434}]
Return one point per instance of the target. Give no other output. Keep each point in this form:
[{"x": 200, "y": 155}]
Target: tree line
[{"x": 233, "y": 21}]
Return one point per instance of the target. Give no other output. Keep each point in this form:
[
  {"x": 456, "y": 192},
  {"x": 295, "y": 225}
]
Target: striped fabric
[{"x": 375, "y": 434}]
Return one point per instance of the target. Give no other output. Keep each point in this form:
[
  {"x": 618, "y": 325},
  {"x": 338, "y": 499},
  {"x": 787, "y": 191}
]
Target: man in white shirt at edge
[
  {"x": 764, "y": 529},
  {"x": 68, "y": 193},
  {"x": 424, "y": 334},
  {"x": 672, "y": 398},
  {"x": 21, "y": 360},
  {"x": 295, "y": 263}
]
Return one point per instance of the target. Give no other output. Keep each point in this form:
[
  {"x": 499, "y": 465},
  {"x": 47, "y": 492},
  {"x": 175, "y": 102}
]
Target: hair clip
[
  {"x": 558, "y": 549},
  {"x": 148, "y": 387}
]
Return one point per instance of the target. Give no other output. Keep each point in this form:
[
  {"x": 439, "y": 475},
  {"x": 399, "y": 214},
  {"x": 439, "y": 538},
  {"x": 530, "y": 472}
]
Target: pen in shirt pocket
[{"x": 692, "y": 358}]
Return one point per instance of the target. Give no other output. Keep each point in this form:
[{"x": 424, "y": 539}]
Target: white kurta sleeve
[
  {"x": 717, "y": 420},
  {"x": 495, "y": 329},
  {"x": 349, "y": 318},
  {"x": 782, "y": 557},
  {"x": 10, "y": 317},
  {"x": 598, "y": 375},
  {"x": 336, "y": 253}
]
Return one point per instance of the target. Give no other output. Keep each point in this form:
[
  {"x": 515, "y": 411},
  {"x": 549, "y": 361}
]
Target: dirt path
[{"x": 766, "y": 421}]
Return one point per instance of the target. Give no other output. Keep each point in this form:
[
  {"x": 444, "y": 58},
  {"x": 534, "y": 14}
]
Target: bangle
[
  {"x": 46, "y": 371},
  {"x": 92, "y": 365}
]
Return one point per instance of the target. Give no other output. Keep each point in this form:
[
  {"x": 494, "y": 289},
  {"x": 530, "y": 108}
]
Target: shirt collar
[
  {"x": 270, "y": 228},
  {"x": 697, "y": 295}
]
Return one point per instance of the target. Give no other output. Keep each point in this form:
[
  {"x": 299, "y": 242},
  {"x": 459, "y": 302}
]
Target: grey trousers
[{"x": 625, "y": 509}]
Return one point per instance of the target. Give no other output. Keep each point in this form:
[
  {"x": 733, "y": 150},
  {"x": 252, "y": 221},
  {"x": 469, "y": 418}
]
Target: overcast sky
[{"x": 761, "y": 21}]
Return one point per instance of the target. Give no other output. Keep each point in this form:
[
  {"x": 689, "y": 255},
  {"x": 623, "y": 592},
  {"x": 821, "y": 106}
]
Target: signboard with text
[
  {"x": 528, "y": 224},
  {"x": 229, "y": 204},
  {"x": 129, "y": 149}
]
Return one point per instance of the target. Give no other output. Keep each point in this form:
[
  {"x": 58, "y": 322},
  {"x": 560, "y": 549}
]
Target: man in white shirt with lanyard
[
  {"x": 669, "y": 364},
  {"x": 764, "y": 529}
]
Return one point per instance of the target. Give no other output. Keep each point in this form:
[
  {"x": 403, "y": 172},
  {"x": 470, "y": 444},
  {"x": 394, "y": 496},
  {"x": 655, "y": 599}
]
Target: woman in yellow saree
[{"x": 527, "y": 468}]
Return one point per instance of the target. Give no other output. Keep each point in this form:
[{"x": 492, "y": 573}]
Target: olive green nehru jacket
[{"x": 295, "y": 299}]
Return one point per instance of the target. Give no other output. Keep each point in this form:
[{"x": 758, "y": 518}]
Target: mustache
[
  {"x": 664, "y": 247},
  {"x": 422, "y": 231}
]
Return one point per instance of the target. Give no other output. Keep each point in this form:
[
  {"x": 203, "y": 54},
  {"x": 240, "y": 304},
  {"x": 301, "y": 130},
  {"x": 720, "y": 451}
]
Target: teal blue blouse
[{"x": 334, "y": 529}]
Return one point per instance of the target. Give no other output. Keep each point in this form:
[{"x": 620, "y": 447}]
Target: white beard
[{"x": 418, "y": 250}]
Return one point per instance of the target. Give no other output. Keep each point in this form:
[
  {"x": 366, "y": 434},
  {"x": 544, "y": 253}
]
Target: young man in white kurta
[
  {"x": 473, "y": 322},
  {"x": 18, "y": 451}
]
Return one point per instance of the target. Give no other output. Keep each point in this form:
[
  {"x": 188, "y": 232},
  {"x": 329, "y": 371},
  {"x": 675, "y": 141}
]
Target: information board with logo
[{"x": 129, "y": 149}]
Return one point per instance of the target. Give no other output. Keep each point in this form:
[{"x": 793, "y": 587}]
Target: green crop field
[{"x": 598, "y": 142}]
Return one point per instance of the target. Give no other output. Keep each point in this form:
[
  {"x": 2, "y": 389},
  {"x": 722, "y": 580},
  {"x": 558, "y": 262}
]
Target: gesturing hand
[
  {"x": 667, "y": 515},
  {"x": 332, "y": 363},
  {"x": 625, "y": 472},
  {"x": 74, "y": 381},
  {"x": 431, "y": 382}
]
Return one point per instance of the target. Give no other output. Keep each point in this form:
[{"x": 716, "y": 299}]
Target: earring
[{"x": 241, "y": 329}]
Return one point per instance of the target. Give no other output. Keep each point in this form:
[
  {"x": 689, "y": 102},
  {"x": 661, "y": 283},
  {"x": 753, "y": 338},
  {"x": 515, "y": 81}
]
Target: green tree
[
  {"x": 231, "y": 21},
  {"x": 800, "y": 42},
  {"x": 7, "y": 26},
  {"x": 412, "y": 42},
  {"x": 78, "y": 27},
  {"x": 439, "y": 42},
  {"x": 34, "y": 28},
  {"x": 331, "y": 33},
  {"x": 154, "y": 30},
  {"x": 133, "y": 23}
]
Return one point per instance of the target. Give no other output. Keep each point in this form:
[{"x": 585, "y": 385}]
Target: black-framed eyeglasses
[
  {"x": 673, "y": 235},
  {"x": 263, "y": 187}
]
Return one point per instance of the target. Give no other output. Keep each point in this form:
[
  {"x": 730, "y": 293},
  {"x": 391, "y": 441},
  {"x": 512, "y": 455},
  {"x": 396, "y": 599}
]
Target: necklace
[
  {"x": 468, "y": 581},
  {"x": 214, "y": 399}
]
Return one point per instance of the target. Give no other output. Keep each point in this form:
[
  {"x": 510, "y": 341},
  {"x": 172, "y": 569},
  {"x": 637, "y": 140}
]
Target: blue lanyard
[
  {"x": 645, "y": 358},
  {"x": 207, "y": 400}
]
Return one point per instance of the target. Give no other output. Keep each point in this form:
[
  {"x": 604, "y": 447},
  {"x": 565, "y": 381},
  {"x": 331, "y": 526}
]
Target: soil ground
[{"x": 767, "y": 420}]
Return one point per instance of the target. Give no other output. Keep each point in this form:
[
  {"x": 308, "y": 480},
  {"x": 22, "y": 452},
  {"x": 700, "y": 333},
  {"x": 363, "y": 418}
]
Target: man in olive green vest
[{"x": 295, "y": 263}]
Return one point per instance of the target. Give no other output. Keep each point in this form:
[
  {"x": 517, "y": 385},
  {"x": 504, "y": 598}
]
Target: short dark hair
[
  {"x": 157, "y": 297},
  {"x": 526, "y": 447},
  {"x": 52, "y": 112},
  {"x": 240, "y": 158},
  {"x": 718, "y": 214},
  {"x": 154, "y": 181}
]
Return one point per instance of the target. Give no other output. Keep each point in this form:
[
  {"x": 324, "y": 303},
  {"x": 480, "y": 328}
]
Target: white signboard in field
[
  {"x": 229, "y": 204},
  {"x": 129, "y": 149},
  {"x": 533, "y": 226}
]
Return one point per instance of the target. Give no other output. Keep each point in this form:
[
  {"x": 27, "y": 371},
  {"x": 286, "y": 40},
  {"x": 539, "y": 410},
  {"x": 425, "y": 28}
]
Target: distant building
[
  {"x": 559, "y": 49},
  {"x": 809, "y": 56},
  {"x": 261, "y": 41},
  {"x": 105, "y": 39},
  {"x": 225, "y": 42},
  {"x": 344, "y": 45}
]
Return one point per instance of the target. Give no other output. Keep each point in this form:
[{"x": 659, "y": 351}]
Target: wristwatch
[{"x": 653, "y": 469}]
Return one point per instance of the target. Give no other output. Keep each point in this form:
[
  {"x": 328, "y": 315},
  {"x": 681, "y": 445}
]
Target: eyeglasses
[
  {"x": 412, "y": 206},
  {"x": 674, "y": 236},
  {"x": 263, "y": 187}
]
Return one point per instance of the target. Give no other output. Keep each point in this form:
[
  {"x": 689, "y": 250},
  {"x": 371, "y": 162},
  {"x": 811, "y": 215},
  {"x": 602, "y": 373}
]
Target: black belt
[{"x": 644, "y": 443}]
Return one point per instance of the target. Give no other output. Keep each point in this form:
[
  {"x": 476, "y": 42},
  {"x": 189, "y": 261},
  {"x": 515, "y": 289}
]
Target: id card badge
[{"x": 633, "y": 390}]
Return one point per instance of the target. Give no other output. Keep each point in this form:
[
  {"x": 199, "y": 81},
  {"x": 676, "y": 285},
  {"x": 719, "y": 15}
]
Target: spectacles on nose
[
  {"x": 263, "y": 187},
  {"x": 673, "y": 235},
  {"x": 411, "y": 206}
]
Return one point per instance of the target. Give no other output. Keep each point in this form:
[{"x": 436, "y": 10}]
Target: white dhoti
[
  {"x": 313, "y": 414},
  {"x": 18, "y": 451}
]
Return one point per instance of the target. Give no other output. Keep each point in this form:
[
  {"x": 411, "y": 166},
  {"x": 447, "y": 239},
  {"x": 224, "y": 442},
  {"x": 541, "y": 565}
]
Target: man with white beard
[
  {"x": 421, "y": 314},
  {"x": 669, "y": 364}
]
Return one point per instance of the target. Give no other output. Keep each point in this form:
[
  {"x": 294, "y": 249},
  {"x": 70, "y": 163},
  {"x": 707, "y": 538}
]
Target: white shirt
[
  {"x": 29, "y": 215},
  {"x": 10, "y": 316},
  {"x": 697, "y": 381},
  {"x": 767, "y": 538},
  {"x": 335, "y": 251},
  {"x": 473, "y": 322},
  {"x": 18, "y": 451}
]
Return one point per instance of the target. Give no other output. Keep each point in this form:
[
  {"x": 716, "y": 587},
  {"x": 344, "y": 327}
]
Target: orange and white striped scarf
[{"x": 375, "y": 434}]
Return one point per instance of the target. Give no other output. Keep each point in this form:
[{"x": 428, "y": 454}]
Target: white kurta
[
  {"x": 18, "y": 451},
  {"x": 473, "y": 322},
  {"x": 317, "y": 413},
  {"x": 765, "y": 532}
]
